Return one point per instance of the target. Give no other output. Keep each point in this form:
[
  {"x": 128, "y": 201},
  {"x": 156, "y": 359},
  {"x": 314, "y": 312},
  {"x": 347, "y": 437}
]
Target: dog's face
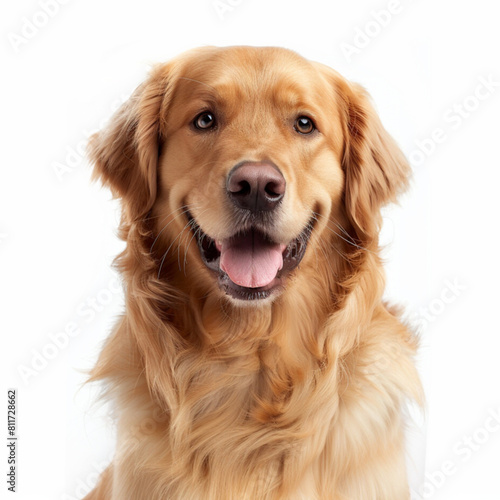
[
  {"x": 250, "y": 153},
  {"x": 254, "y": 157}
]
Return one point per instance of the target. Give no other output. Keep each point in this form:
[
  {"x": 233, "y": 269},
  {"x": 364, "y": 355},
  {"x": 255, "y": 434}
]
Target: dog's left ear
[
  {"x": 376, "y": 170},
  {"x": 126, "y": 152}
]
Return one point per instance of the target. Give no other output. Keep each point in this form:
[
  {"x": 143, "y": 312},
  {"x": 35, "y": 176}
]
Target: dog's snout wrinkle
[{"x": 258, "y": 187}]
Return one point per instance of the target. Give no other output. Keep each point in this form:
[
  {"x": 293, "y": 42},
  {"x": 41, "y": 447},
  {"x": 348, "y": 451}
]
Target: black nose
[{"x": 256, "y": 186}]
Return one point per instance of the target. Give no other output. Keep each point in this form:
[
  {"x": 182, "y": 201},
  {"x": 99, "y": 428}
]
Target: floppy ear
[
  {"x": 126, "y": 153},
  {"x": 376, "y": 170}
]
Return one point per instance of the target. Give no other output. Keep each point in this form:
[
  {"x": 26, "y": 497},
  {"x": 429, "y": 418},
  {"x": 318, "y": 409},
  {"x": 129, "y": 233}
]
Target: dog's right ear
[{"x": 126, "y": 152}]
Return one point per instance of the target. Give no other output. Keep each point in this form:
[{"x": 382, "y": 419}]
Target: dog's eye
[
  {"x": 304, "y": 125},
  {"x": 204, "y": 121}
]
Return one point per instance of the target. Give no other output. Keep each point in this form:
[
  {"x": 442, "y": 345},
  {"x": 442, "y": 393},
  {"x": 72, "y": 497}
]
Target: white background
[{"x": 62, "y": 78}]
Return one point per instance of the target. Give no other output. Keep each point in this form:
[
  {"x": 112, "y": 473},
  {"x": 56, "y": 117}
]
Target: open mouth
[{"x": 249, "y": 264}]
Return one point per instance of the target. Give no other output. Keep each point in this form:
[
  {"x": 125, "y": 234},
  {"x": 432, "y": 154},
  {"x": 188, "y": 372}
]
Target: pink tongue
[{"x": 250, "y": 260}]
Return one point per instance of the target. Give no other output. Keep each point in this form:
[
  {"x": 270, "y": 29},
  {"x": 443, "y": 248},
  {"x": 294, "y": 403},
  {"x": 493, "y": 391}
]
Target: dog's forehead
[{"x": 242, "y": 72}]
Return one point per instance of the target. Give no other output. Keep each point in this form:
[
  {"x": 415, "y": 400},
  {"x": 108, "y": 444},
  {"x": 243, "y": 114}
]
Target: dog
[{"x": 256, "y": 358}]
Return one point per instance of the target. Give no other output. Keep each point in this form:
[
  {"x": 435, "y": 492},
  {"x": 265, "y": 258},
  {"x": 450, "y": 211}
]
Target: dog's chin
[{"x": 248, "y": 280}]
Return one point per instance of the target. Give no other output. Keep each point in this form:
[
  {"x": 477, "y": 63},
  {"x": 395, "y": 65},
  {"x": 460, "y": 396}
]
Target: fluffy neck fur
[{"x": 241, "y": 393}]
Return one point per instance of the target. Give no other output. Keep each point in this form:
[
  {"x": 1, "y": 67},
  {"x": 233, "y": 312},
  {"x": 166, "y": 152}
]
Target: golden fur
[{"x": 295, "y": 397}]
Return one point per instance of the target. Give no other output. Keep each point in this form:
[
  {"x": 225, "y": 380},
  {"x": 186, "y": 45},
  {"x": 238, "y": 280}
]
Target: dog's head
[{"x": 244, "y": 160}]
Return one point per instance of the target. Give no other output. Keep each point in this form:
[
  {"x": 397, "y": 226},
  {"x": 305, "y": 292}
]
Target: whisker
[
  {"x": 351, "y": 240},
  {"x": 186, "y": 207},
  {"x": 170, "y": 246},
  {"x": 344, "y": 256},
  {"x": 179, "y": 243},
  {"x": 150, "y": 217},
  {"x": 191, "y": 239},
  {"x": 195, "y": 234}
]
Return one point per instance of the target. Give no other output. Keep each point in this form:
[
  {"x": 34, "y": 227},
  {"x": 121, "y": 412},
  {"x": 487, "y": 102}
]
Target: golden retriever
[{"x": 256, "y": 358}]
